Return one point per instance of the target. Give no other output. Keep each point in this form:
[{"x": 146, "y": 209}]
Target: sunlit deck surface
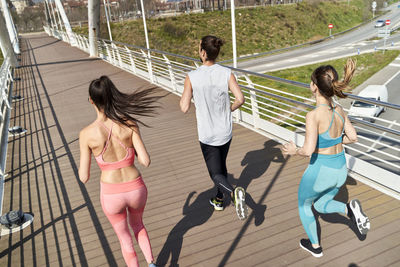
[{"x": 70, "y": 228}]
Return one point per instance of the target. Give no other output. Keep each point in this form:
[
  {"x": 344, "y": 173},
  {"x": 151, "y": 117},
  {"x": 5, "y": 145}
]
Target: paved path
[{"x": 70, "y": 228}]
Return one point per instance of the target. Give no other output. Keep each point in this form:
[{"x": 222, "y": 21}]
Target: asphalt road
[{"x": 341, "y": 46}]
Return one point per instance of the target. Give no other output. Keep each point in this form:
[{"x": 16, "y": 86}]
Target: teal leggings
[{"x": 320, "y": 184}]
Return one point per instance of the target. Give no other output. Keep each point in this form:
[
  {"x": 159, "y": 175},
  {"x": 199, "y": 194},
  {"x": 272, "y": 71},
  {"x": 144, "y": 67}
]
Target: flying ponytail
[
  {"x": 340, "y": 86},
  {"x": 122, "y": 107},
  {"x": 326, "y": 79}
]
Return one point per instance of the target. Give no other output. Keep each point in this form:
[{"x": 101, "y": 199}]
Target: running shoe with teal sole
[{"x": 239, "y": 196}]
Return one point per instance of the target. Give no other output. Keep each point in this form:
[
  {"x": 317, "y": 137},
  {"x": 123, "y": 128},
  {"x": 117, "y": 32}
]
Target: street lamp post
[
  {"x": 233, "y": 33},
  {"x": 108, "y": 20},
  {"x": 147, "y": 41}
]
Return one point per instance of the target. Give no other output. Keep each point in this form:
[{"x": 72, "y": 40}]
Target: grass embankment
[{"x": 258, "y": 29}]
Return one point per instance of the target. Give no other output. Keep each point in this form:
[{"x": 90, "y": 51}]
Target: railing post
[
  {"x": 132, "y": 61},
  {"x": 114, "y": 58},
  {"x": 253, "y": 101},
  {"x": 86, "y": 42},
  {"x": 109, "y": 57},
  {"x": 148, "y": 63},
  {"x": 81, "y": 43},
  {"x": 101, "y": 45},
  {"x": 237, "y": 112},
  {"x": 78, "y": 41},
  {"x": 118, "y": 55},
  {"x": 171, "y": 73}
]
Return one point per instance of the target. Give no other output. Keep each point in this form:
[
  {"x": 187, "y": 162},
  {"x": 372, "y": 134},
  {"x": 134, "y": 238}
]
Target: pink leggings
[{"x": 122, "y": 201}]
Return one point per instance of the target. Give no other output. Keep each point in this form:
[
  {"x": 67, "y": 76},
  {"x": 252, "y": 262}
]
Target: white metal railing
[
  {"x": 270, "y": 111},
  {"x": 6, "y": 82}
]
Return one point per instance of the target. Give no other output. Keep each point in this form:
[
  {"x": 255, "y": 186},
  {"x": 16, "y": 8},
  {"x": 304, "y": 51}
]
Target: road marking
[
  {"x": 292, "y": 60},
  {"x": 394, "y": 65},
  {"x": 315, "y": 55},
  {"x": 269, "y": 65},
  {"x": 380, "y": 137},
  {"x": 391, "y": 78},
  {"x": 362, "y": 44}
]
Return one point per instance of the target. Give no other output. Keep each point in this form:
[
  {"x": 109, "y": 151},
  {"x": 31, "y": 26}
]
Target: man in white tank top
[{"x": 209, "y": 85}]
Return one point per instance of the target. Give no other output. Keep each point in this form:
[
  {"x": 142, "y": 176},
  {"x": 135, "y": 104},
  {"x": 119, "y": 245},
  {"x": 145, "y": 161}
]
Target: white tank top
[{"x": 213, "y": 108}]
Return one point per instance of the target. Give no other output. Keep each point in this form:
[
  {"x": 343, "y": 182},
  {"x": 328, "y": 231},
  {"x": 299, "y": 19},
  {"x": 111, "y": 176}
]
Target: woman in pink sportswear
[{"x": 114, "y": 139}]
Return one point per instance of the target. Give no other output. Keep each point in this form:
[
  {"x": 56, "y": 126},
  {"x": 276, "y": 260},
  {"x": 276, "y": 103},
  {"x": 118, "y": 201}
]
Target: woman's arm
[
  {"x": 186, "y": 95},
  {"x": 85, "y": 158},
  {"x": 140, "y": 150},
  {"x": 350, "y": 134},
  {"x": 235, "y": 89},
  {"x": 310, "y": 141}
]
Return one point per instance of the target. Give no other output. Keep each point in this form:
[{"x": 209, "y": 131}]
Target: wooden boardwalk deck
[{"x": 70, "y": 228}]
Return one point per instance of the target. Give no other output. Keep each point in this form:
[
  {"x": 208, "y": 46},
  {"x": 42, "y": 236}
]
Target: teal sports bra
[{"x": 324, "y": 139}]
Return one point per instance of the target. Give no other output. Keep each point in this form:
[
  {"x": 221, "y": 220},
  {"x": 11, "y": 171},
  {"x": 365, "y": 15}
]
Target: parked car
[
  {"x": 379, "y": 23},
  {"x": 368, "y": 111}
]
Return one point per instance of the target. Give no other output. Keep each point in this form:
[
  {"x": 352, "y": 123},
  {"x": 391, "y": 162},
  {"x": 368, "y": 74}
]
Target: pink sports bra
[{"x": 125, "y": 162}]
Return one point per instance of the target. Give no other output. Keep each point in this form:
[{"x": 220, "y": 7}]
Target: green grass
[{"x": 258, "y": 29}]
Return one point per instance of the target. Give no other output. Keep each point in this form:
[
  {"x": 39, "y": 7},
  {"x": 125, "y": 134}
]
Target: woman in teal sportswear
[{"x": 327, "y": 128}]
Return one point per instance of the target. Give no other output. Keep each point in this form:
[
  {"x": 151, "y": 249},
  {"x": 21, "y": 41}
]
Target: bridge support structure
[
  {"x": 5, "y": 43},
  {"x": 12, "y": 32},
  {"x": 65, "y": 20},
  {"x": 94, "y": 26}
]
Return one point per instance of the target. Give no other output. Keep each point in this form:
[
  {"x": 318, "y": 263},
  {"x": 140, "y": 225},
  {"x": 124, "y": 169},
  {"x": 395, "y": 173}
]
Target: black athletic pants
[{"x": 215, "y": 157}]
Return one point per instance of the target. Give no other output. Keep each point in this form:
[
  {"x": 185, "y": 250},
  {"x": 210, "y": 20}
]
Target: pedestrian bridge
[{"x": 70, "y": 228}]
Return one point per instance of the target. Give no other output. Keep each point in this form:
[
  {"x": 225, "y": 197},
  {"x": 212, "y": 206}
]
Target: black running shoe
[
  {"x": 358, "y": 217},
  {"x": 217, "y": 204},
  {"x": 306, "y": 245}
]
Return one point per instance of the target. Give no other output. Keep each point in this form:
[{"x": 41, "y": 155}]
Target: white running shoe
[
  {"x": 239, "y": 196},
  {"x": 359, "y": 218}
]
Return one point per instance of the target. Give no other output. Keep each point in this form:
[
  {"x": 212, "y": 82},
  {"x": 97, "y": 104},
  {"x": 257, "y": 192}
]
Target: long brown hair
[
  {"x": 326, "y": 79},
  {"x": 122, "y": 107}
]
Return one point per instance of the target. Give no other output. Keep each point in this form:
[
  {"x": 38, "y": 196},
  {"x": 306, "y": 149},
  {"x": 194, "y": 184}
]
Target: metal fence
[
  {"x": 6, "y": 83},
  {"x": 277, "y": 113}
]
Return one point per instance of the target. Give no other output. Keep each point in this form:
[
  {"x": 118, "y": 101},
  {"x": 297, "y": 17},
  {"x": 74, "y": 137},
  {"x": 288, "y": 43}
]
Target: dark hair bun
[
  {"x": 211, "y": 44},
  {"x": 218, "y": 42}
]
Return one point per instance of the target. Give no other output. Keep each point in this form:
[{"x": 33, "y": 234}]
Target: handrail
[{"x": 5, "y": 111}]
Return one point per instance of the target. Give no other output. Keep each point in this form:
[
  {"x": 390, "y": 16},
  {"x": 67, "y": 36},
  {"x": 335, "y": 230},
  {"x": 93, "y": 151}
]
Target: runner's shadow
[
  {"x": 342, "y": 196},
  {"x": 195, "y": 214},
  {"x": 257, "y": 163}
]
